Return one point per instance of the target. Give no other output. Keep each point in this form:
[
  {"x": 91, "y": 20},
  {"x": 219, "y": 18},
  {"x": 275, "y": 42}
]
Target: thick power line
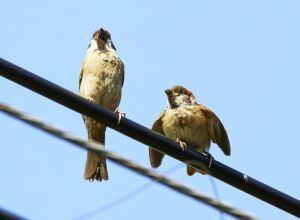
[
  {"x": 7, "y": 215},
  {"x": 150, "y": 138}
]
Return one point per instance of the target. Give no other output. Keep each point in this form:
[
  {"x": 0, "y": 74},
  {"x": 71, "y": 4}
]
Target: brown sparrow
[
  {"x": 189, "y": 124},
  {"x": 101, "y": 80}
]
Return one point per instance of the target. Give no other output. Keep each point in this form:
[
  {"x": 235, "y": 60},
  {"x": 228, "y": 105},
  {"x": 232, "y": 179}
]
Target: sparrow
[
  {"x": 100, "y": 81},
  {"x": 190, "y": 124}
]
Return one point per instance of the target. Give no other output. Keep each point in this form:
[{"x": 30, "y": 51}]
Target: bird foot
[
  {"x": 120, "y": 115},
  {"x": 90, "y": 99},
  {"x": 211, "y": 158},
  {"x": 182, "y": 144}
]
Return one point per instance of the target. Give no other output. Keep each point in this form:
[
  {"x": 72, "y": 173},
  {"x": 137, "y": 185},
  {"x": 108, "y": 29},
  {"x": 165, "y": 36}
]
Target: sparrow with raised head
[
  {"x": 101, "y": 80},
  {"x": 189, "y": 124}
]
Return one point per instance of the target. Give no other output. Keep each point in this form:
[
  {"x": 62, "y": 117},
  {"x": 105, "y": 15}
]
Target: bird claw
[
  {"x": 90, "y": 99},
  {"x": 211, "y": 158},
  {"x": 181, "y": 144},
  {"x": 120, "y": 115}
]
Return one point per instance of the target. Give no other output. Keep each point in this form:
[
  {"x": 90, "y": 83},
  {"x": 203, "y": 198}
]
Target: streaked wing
[
  {"x": 155, "y": 156},
  {"x": 122, "y": 72},
  {"x": 216, "y": 130},
  {"x": 80, "y": 77}
]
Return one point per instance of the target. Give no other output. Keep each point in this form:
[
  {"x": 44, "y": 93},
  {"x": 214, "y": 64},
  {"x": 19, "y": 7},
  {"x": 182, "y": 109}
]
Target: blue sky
[{"x": 240, "y": 58}]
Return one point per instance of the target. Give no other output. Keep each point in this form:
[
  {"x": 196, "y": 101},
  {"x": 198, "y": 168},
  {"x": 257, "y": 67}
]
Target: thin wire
[
  {"x": 99, "y": 149},
  {"x": 122, "y": 199},
  {"x": 216, "y": 193}
]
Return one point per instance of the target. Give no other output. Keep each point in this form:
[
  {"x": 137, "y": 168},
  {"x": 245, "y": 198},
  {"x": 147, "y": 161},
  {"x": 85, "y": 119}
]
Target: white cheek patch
[
  {"x": 182, "y": 99},
  {"x": 168, "y": 104},
  {"x": 109, "y": 46},
  {"x": 93, "y": 45}
]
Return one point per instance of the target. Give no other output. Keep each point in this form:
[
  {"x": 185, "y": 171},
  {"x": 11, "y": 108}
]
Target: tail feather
[
  {"x": 156, "y": 157},
  {"x": 191, "y": 171},
  {"x": 95, "y": 167}
]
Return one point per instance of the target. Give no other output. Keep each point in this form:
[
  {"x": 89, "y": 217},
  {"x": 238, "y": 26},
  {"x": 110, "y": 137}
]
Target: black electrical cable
[
  {"x": 6, "y": 215},
  {"x": 150, "y": 138}
]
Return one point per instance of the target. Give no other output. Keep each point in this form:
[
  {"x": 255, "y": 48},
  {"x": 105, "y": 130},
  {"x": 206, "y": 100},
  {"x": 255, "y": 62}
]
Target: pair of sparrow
[{"x": 185, "y": 121}]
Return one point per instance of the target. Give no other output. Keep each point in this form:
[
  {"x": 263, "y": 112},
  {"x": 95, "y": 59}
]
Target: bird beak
[
  {"x": 101, "y": 33},
  {"x": 168, "y": 92}
]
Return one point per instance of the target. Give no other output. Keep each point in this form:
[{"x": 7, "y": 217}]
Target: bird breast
[
  {"x": 188, "y": 124},
  {"x": 102, "y": 78}
]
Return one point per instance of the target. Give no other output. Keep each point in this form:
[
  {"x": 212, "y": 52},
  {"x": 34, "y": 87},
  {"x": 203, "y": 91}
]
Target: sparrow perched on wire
[
  {"x": 189, "y": 124},
  {"x": 101, "y": 80}
]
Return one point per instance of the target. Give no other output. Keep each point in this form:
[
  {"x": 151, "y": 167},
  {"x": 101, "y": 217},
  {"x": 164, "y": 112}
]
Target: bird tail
[
  {"x": 156, "y": 157},
  {"x": 95, "y": 167},
  {"x": 191, "y": 171}
]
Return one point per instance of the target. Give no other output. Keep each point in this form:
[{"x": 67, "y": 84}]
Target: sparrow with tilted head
[
  {"x": 189, "y": 124},
  {"x": 101, "y": 80}
]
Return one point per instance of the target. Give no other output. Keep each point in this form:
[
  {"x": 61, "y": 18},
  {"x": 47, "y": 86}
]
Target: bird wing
[
  {"x": 122, "y": 72},
  {"x": 80, "y": 76},
  {"x": 80, "y": 79},
  {"x": 216, "y": 130},
  {"x": 155, "y": 156}
]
